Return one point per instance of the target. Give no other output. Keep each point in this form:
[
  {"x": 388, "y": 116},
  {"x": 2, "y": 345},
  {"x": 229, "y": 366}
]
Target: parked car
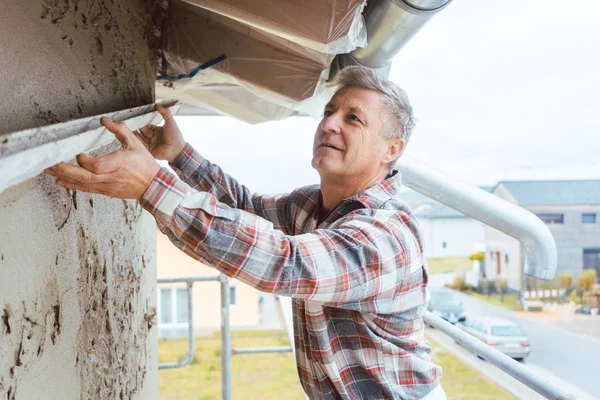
[
  {"x": 444, "y": 304},
  {"x": 502, "y": 334}
]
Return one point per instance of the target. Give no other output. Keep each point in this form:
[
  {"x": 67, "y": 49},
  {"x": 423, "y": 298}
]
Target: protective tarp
[
  {"x": 332, "y": 27},
  {"x": 222, "y": 93},
  {"x": 210, "y": 58}
]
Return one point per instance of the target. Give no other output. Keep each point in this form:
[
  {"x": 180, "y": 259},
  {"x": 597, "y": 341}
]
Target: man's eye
[
  {"x": 327, "y": 113},
  {"x": 353, "y": 117}
]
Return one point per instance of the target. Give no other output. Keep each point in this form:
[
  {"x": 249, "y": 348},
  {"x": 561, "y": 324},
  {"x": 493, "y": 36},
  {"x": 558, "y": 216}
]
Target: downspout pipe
[
  {"x": 534, "y": 235},
  {"x": 390, "y": 25}
]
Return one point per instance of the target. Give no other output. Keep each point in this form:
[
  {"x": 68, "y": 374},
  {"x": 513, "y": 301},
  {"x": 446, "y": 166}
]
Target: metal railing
[
  {"x": 515, "y": 369},
  {"x": 512, "y": 367},
  {"x": 226, "y": 350}
]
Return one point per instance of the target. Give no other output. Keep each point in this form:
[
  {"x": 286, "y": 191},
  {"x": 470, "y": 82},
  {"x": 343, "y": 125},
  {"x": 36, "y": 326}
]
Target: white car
[{"x": 500, "y": 333}]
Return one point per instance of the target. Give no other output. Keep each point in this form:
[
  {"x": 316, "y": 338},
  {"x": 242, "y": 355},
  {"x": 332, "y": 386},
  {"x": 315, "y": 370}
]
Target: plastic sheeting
[
  {"x": 277, "y": 54},
  {"x": 325, "y": 26},
  {"x": 27, "y": 153}
]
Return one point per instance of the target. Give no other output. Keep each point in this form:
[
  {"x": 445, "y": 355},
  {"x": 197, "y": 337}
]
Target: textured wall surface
[
  {"x": 77, "y": 302},
  {"x": 65, "y": 59},
  {"x": 77, "y": 271}
]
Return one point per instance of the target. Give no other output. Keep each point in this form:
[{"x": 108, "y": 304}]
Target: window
[
  {"x": 444, "y": 245},
  {"x": 506, "y": 258},
  {"x": 480, "y": 326},
  {"x": 232, "y": 296},
  {"x": 551, "y": 219},
  {"x": 588, "y": 218},
  {"x": 166, "y": 306},
  {"x": 173, "y": 306},
  {"x": 507, "y": 331},
  {"x": 591, "y": 260}
]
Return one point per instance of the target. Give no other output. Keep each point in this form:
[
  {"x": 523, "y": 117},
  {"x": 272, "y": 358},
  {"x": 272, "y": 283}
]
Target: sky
[{"x": 502, "y": 90}]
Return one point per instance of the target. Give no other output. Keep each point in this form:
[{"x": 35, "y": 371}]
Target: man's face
[{"x": 348, "y": 142}]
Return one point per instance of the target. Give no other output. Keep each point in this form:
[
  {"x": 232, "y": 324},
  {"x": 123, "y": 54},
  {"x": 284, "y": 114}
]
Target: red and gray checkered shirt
[{"x": 357, "y": 280}]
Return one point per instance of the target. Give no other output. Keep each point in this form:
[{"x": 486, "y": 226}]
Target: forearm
[
  {"x": 331, "y": 266},
  {"x": 204, "y": 176},
  {"x": 212, "y": 232}
]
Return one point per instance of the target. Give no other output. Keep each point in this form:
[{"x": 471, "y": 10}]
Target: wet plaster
[
  {"x": 66, "y": 59},
  {"x": 77, "y": 271},
  {"x": 77, "y": 306}
]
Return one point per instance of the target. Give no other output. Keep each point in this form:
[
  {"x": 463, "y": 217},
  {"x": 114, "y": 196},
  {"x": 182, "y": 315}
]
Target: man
[{"x": 348, "y": 252}]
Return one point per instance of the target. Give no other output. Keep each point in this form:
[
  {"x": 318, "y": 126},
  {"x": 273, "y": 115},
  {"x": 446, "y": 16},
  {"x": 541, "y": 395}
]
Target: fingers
[
  {"x": 101, "y": 165},
  {"x": 72, "y": 173},
  {"x": 142, "y": 139},
  {"x": 147, "y": 131},
  {"x": 120, "y": 130},
  {"x": 165, "y": 112}
]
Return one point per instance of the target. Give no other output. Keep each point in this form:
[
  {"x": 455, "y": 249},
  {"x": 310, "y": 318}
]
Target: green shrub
[{"x": 578, "y": 298}]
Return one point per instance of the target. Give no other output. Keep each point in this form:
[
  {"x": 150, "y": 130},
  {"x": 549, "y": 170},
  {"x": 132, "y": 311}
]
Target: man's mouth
[{"x": 330, "y": 146}]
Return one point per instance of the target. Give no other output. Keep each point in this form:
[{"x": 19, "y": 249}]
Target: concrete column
[{"x": 77, "y": 271}]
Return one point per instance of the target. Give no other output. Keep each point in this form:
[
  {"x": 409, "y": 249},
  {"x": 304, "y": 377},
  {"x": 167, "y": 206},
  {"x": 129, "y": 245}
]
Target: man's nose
[{"x": 332, "y": 123}]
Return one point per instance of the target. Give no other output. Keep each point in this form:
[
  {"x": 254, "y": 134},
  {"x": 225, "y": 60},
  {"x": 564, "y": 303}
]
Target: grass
[
  {"x": 442, "y": 265},
  {"x": 274, "y": 376},
  {"x": 511, "y": 300},
  {"x": 461, "y": 381},
  {"x": 254, "y": 376}
]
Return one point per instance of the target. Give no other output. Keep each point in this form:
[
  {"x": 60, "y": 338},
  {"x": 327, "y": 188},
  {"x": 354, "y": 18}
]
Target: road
[{"x": 568, "y": 356}]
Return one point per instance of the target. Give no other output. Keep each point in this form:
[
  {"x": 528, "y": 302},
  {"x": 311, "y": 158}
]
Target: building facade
[
  {"x": 172, "y": 305},
  {"x": 445, "y": 231},
  {"x": 570, "y": 209},
  {"x": 449, "y": 233}
]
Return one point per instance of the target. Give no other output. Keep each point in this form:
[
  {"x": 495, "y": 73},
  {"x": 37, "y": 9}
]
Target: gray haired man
[{"x": 347, "y": 251}]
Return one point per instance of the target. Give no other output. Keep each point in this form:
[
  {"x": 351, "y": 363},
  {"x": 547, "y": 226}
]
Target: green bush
[
  {"x": 576, "y": 298},
  {"x": 585, "y": 282}
]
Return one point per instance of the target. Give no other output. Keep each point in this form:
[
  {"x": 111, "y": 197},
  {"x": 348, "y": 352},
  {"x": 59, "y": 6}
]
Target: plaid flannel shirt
[{"x": 357, "y": 280}]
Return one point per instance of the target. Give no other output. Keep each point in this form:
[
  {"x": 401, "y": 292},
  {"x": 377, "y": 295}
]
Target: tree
[
  {"x": 586, "y": 281},
  {"x": 501, "y": 286},
  {"x": 566, "y": 282}
]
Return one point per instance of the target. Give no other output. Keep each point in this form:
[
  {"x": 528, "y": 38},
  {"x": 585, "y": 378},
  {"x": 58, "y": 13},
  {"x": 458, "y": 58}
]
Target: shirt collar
[{"x": 377, "y": 194}]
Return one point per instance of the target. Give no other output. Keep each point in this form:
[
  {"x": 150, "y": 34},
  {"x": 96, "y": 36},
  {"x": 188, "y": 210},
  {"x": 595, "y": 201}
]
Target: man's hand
[
  {"x": 163, "y": 142},
  {"x": 125, "y": 174}
]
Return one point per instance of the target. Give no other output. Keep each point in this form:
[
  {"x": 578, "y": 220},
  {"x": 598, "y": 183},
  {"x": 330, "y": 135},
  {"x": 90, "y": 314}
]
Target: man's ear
[{"x": 395, "y": 147}]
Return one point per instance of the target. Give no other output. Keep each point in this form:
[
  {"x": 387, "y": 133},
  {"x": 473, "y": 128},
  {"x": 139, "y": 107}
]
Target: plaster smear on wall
[
  {"x": 66, "y": 59},
  {"x": 77, "y": 271},
  {"x": 77, "y": 304}
]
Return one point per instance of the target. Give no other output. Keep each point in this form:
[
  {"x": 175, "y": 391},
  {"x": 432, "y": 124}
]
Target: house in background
[
  {"x": 571, "y": 209},
  {"x": 172, "y": 308},
  {"x": 445, "y": 231},
  {"x": 449, "y": 233}
]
